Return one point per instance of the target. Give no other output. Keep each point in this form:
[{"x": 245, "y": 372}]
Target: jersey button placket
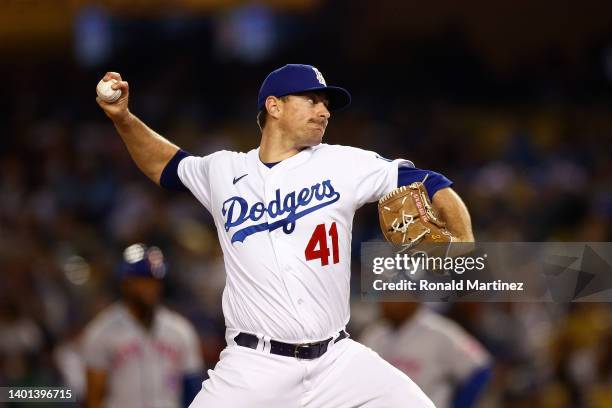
[{"x": 275, "y": 236}]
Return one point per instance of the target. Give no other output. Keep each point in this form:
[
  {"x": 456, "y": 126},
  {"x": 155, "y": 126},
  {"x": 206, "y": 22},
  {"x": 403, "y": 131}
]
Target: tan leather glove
[{"x": 407, "y": 217}]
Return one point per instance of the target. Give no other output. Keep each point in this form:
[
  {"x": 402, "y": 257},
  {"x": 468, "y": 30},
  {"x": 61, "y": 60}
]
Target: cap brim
[{"x": 339, "y": 98}]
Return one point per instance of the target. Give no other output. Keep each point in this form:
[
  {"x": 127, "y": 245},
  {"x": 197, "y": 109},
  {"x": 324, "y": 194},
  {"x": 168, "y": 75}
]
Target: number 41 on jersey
[{"x": 317, "y": 247}]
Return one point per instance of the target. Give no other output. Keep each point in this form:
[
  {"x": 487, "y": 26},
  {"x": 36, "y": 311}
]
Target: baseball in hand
[{"x": 106, "y": 93}]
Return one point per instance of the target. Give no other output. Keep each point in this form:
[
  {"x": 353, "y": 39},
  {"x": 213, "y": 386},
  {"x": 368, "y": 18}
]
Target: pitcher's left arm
[{"x": 454, "y": 213}]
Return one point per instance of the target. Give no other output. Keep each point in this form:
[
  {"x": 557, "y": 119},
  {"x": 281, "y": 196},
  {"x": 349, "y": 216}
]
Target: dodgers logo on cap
[{"x": 319, "y": 76}]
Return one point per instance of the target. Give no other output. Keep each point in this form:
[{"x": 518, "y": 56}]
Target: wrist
[
  {"x": 464, "y": 238},
  {"x": 123, "y": 119}
]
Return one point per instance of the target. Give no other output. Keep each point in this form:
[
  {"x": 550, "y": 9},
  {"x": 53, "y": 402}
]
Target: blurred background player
[
  {"x": 137, "y": 352},
  {"x": 449, "y": 365}
]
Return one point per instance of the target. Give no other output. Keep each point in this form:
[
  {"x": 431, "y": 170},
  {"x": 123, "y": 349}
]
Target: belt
[{"x": 306, "y": 351}]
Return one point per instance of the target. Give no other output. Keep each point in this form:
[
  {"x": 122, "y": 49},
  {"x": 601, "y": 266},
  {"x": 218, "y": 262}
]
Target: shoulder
[
  {"x": 458, "y": 343},
  {"x": 175, "y": 323},
  {"x": 434, "y": 321},
  {"x": 221, "y": 155},
  {"x": 324, "y": 149},
  {"x": 441, "y": 325},
  {"x": 228, "y": 154},
  {"x": 104, "y": 321},
  {"x": 352, "y": 154},
  {"x": 202, "y": 165},
  {"x": 343, "y": 156}
]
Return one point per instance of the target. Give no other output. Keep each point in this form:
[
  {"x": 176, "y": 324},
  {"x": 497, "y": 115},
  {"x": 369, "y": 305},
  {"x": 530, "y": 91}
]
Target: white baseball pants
[{"x": 347, "y": 375}]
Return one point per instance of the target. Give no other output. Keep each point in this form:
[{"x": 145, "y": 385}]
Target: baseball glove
[{"x": 407, "y": 217}]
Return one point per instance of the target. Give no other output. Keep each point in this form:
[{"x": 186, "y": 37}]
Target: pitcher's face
[{"x": 304, "y": 117}]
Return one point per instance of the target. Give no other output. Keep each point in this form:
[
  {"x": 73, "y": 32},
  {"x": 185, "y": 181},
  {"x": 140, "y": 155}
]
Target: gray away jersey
[
  {"x": 145, "y": 369},
  {"x": 435, "y": 352}
]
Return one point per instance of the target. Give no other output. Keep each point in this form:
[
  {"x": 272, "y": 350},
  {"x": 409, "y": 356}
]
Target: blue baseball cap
[
  {"x": 296, "y": 78},
  {"x": 140, "y": 261}
]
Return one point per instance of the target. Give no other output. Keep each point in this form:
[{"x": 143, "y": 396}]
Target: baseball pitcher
[{"x": 284, "y": 213}]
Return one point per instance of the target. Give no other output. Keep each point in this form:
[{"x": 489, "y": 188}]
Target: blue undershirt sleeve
[
  {"x": 433, "y": 183},
  {"x": 192, "y": 384},
  {"x": 170, "y": 179},
  {"x": 468, "y": 392}
]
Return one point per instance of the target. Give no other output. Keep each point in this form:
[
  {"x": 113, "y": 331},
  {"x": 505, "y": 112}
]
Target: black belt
[{"x": 306, "y": 351}]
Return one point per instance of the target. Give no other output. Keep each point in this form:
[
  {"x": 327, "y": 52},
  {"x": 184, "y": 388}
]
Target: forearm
[
  {"x": 96, "y": 384},
  {"x": 93, "y": 403},
  {"x": 454, "y": 213},
  {"x": 149, "y": 150}
]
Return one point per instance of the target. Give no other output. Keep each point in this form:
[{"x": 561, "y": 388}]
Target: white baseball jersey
[
  {"x": 435, "y": 352},
  {"x": 285, "y": 233},
  {"x": 145, "y": 368}
]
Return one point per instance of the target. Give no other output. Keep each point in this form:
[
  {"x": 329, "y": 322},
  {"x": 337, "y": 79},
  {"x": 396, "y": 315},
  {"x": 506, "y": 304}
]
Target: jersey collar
[{"x": 289, "y": 163}]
